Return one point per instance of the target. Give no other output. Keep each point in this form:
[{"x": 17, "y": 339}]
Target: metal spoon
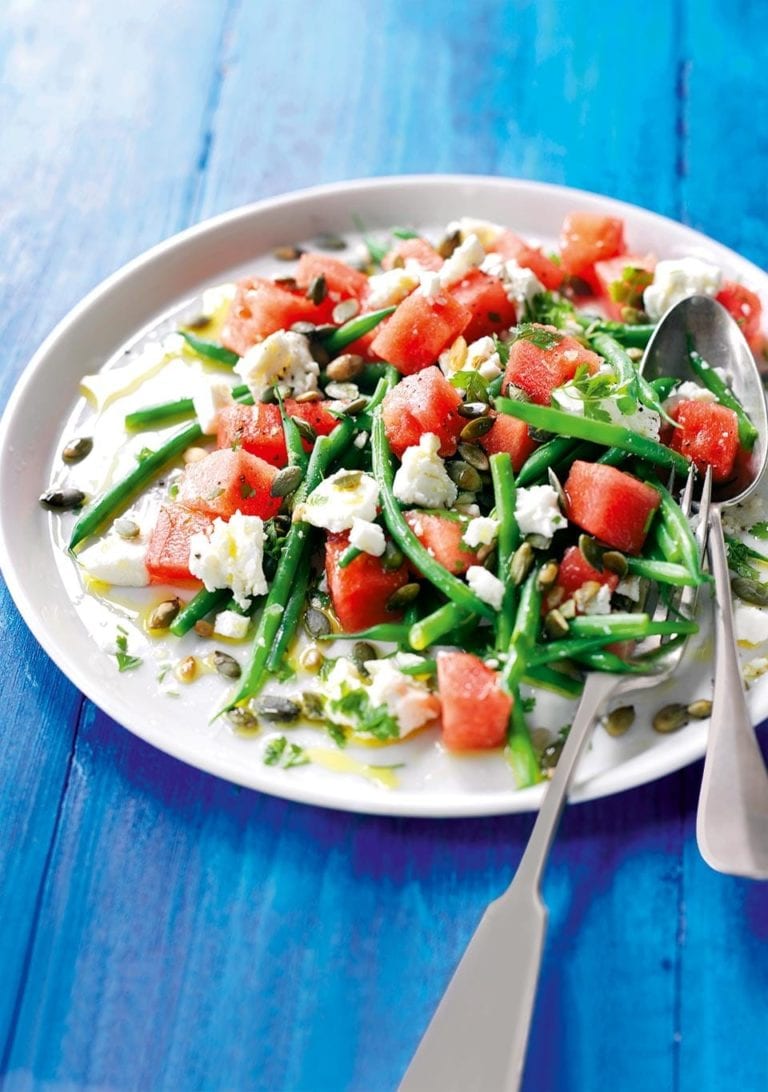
[{"x": 732, "y": 820}]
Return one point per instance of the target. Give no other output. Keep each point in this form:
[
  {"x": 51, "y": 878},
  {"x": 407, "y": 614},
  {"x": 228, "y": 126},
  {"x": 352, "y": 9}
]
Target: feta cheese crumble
[
  {"x": 481, "y": 531},
  {"x": 228, "y": 623},
  {"x": 481, "y": 356},
  {"x": 537, "y": 511},
  {"x": 486, "y": 586},
  {"x": 283, "y": 359},
  {"x": 466, "y": 257},
  {"x": 208, "y": 401},
  {"x": 644, "y": 421},
  {"x": 116, "y": 560},
  {"x": 422, "y": 478},
  {"x": 230, "y": 555},
  {"x": 751, "y": 624},
  {"x": 367, "y": 536},
  {"x": 520, "y": 284},
  {"x": 407, "y": 699},
  {"x": 677, "y": 278},
  {"x": 691, "y": 392},
  {"x": 390, "y": 288},
  {"x": 485, "y": 230},
  {"x": 339, "y": 500}
]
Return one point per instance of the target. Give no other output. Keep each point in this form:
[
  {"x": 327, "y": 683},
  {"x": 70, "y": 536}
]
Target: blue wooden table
[{"x": 161, "y": 929}]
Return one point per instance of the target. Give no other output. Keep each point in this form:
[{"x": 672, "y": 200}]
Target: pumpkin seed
[
  {"x": 393, "y": 557},
  {"x": 242, "y": 719},
  {"x": 457, "y": 354},
  {"x": 476, "y": 428},
  {"x": 186, "y": 669},
  {"x": 568, "y": 609},
  {"x": 615, "y": 562},
  {"x": 318, "y": 289},
  {"x": 275, "y": 707},
  {"x": 344, "y": 367},
  {"x": 203, "y": 628},
  {"x": 323, "y": 329},
  {"x": 547, "y": 575},
  {"x": 521, "y": 562},
  {"x": 475, "y": 456},
  {"x": 164, "y": 613},
  {"x": 287, "y": 253},
  {"x": 62, "y": 500},
  {"x": 635, "y": 355},
  {"x": 316, "y": 623},
  {"x": 465, "y": 476},
  {"x": 226, "y": 665},
  {"x": 345, "y": 311},
  {"x": 403, "y": 597},
  {"x": 517, "y": 394},
  {"x": 126, "y": 528},
  {"x": 77, "y": 449},
  {"x": 312, "y": 706},
  {"x": 306, "y": 432},
  {"x": 750, "y": 591},
  {"x": 620, "y": 720},
  {"x": 357, "y": 405},
  {"x": 449, "y": 243},
  {"x": 592, "y": 552},
  {"x": 308, "y": 396},
  {"x": 311, "y": 659},
  {"x": 286, "y": 481},
  {"x": 473, "y": 409},
  {"x": 550, "y": 756},
  {"x": 319, "y": 353},
  {"x": 540, "y": 435},
  {"x": 194, "y": 454},
  {"x": 304, "y": 327},
  {"x": 670, "y": 718},
  {"x": 345, "y": 392},
  {"x": 329, "y": 241},
  {"x": 362, "y": 652},
  {"x": 554, "y": 623},
  {"x": 699, "y": 709}
]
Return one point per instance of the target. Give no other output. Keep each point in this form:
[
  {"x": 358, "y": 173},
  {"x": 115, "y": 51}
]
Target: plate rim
[{"x": 411, "y": 803}]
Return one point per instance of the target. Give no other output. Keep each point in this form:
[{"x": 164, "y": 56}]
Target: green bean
[
  {"x": 623, "y": 626},
  {"x": 441, "y": 621},
  {"x": 662, "y": 572},
  {"x": 604, "y": 433},
  {"x": 205, "y": 602},
  {"x": 289, "y": 620},
  {"x": 536, "y": 465},
  {"x": 629, "y": 335},
  {"x": 294, "y": 446},
  {"x": 562, "y": 682},
  {"x": 504, "y": 493},
  {"x": 636, "y": 384},
  {"x": 725, "y": 396},
  {"x": 326, "y": 449},
  {"x": 119, "y": 496},
  {"x": 451, "y": 587},
  {"x": 569, "y": 647},
  {"x": 352, "y": 330},
  {"x": 677, "y": 524},
  {"x": 210, "y": 349},
  {"x": 396, "y": 632},
  {"x": 426, "y": 667},
  {"x": 611, "y": 663},
  {"x": 519, "y": 751},
  {"x": 348, "y": 556},
  {"x": 524, "y": 632},
  {"x": 163, "y": 412}
]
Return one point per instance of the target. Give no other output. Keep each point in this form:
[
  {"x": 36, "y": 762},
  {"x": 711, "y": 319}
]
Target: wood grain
[{"x": 160, "y": 929}]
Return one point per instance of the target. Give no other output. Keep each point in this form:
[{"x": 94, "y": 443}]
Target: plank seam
[
  {"x": 190, "y": 205},
  {"x": 38, "y": 904}
]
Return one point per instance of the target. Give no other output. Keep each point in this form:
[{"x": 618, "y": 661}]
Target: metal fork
[{"x": 476, "y": 1041}]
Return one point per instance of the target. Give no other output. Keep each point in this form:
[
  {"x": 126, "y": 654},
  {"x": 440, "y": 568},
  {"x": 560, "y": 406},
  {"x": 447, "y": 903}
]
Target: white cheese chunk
[
  {"x": 486, "y": 586},
  {"x": 228, "y": 623},
  {"x": 483, "y": 357},
  {"x": 466, "y": 257},
  {"x": 407, "y": 699},
  {"x": 367, "y": 536},
  {"x": 339, "y": 500},
  {"x": 520, "y": 284},
  {"x": 429, "y": 283},
  {"x": 208, "y": 402},
  {"x": 481, "y": 531},
  {"x": 485, "y": 230},
  {"x": 537, "y": 511},
  {"x": 422, "y": 478},
  {"x": 390, "y": 288},
  {"x": 692, "y": 392},
  {"x": 644, "y": 421},
  {"x": 629, "y": 587},
  {"x": 282, "y": 360},
  {"x": 116, "y": 560},
  {"x": 677, "y": 278},
  {"x": 751, "y": 624},
  {"x": 230, "y": 555}
]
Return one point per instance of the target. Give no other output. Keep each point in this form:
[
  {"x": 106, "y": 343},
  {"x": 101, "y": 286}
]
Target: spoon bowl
[{"x": 732, "y": 818}]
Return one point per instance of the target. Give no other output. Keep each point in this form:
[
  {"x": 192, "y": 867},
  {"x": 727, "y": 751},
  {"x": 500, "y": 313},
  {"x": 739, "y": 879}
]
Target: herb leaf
[
  {"x": 374, "y": 720},
  {"x": 279, "y": 752},
  {"x": 125, "y": 662},
  {"x": 541, "y": 338}
]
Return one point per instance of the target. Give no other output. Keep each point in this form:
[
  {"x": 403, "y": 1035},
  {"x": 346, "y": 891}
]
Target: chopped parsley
[
  {"x": 373, "y": 720},
  {"x": 759, "y": 530},
  {"x": 542, "y": 339},
  {"x": 741, "y": 559},
  {"x": 279, "y": 752},
  {"x": 125, "y": 662},
  {"x": 473, "y": 385},
  {"x": 404, "y": 233},
  {"x": 629, "y": 288}
]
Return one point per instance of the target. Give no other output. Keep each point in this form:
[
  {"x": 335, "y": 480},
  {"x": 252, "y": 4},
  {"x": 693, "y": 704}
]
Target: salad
[{"x": 402, "y": 489}]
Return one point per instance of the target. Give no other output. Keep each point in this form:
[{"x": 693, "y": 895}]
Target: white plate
[{"x": 40, "y": 578}]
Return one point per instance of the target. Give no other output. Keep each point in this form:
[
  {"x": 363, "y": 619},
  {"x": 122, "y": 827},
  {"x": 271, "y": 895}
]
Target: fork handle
[
  {"x": 732, "y": 818},
  {"x": 478, "y": 1036}
]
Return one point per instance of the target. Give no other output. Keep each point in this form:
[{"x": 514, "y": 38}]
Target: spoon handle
[{"x": 732, "y": 819}]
